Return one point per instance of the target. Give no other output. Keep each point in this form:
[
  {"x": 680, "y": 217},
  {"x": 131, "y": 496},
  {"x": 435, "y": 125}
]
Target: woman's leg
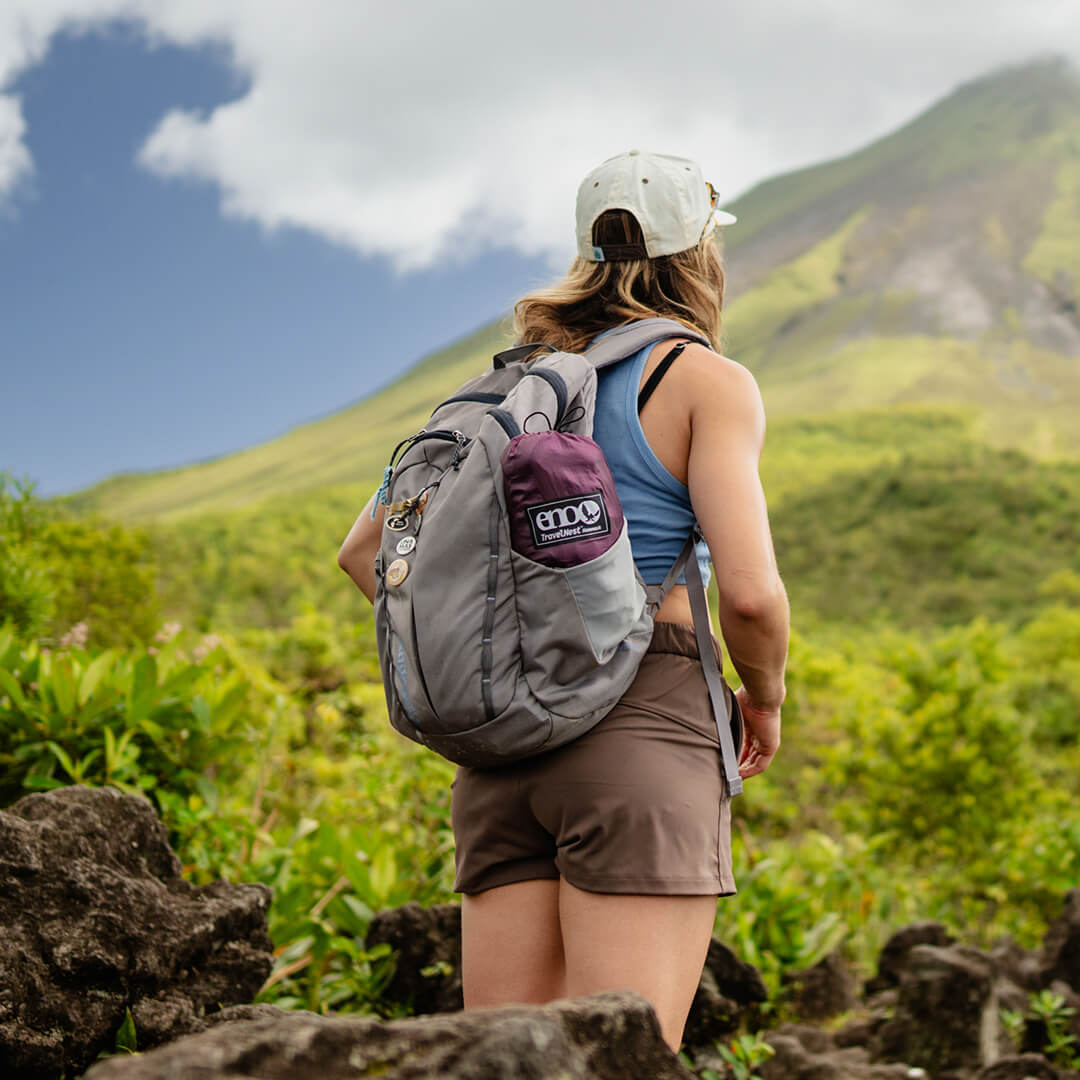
[
  {"x": 655, "y": 945},
  {"x": 511, "y": 945}
]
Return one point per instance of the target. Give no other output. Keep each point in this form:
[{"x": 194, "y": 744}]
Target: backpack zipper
[
  {"x": 486, "y": 399},
  {"x": 558, "y": 384},
  {"x": 506, "y": 421}
]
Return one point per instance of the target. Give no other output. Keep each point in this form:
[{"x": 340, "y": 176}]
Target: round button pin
[
  {"x": 397, "y": 572},
  {"x": 397, "y": 522},
  {"x": 406, "y": 545}
]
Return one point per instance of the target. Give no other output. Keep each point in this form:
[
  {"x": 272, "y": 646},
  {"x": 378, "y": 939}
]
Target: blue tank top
[{"x": 657, "y": 506}]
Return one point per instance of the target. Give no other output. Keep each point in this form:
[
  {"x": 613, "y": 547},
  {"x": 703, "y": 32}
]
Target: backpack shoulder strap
[
  {"x": 699, "y": 608},
  {"x": 627, "y": 340}
]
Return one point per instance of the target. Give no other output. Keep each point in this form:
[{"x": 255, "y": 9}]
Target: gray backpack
[{"x": 509, "y": 614}]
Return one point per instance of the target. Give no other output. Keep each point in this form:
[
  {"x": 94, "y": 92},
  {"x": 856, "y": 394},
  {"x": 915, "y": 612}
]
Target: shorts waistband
[{"x": 680, "y": 639}]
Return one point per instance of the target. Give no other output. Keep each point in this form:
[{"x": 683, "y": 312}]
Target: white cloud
[{"x": 426, "y": 131}]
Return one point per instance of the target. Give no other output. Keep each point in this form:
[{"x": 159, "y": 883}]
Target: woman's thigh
[
  {"x": 655, "y": 945},
  {"x": 511, "y": 945}
]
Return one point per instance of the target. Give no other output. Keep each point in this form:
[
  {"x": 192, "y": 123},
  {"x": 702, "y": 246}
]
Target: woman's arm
[
  {"x": 727, "y": 421},
  {"x": 357, "y": 554}
]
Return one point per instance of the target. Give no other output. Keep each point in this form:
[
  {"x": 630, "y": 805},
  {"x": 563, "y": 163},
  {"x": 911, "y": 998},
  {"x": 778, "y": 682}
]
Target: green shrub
[
  {"x": 27, "y": 601},
  {"x": 134, "y": 720},
  {"x": 104, "y": 580},
  {"x": 77, "y": 582}
]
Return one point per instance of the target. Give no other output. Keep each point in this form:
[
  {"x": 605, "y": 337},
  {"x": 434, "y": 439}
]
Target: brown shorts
[{"x": 636, "y": 805}]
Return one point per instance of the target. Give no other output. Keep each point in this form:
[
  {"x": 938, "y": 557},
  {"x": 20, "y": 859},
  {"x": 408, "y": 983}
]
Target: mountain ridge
[{"x": 934, "y": 267}]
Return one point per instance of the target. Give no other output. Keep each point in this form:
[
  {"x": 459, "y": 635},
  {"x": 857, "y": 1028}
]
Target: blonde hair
[{"x": 592, "y": 297}]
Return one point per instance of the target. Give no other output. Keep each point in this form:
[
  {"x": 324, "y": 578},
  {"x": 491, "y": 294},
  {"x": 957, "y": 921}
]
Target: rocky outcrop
[
  {"x": 894, "y": 956},
  {"x": 605, "y": 1037},
  {"x": 728, "y": 988},
  {"x": 426, "y": 943},
  {"x": 803, "y": 1053},
  {"x": 1020, "y": 1067},
  {"x": 946, "y": 1012},
  {"x": 1061, "y": 948},
  {"x": 822, "y": 991},
  {"x": 97, "y": 920}
]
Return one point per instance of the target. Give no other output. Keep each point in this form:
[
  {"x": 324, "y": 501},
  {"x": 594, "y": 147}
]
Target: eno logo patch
[{"x": 577, "y": 517}]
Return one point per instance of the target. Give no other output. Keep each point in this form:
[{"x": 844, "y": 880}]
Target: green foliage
[
  {"x": 930, "y": 542},
  {"x": 26, "y": 597},
  {"x": 133, "y": 720},
  {"x": 1049, "y": 1009},
  {"x": 105, "y": 581},
  {"x": 742, "y": 1056},
  {"x": 126, "y": 1042},
  {"x": 948, "y": 767},
  {"x": 88, "y": 582}
]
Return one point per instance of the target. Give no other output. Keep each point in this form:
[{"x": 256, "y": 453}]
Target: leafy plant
[
  {"x": 742, "y": 1056},
  {"x": 1050, "y": 1009}
]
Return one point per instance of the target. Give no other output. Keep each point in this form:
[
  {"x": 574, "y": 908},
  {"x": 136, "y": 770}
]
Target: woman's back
[{"x": 654, "y": 499}]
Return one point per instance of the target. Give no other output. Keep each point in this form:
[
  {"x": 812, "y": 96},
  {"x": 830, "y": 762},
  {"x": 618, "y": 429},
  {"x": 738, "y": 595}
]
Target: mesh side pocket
[
  {"x": 573, "y": 620},
  {"x": 609, "y": 597}
]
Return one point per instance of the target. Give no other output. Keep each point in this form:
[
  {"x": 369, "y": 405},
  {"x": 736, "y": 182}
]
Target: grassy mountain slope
[
  {"x": 936, "y": 267},
  {"x": 348, "y": 447}
]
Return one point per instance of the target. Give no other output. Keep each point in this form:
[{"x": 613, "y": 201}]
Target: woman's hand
[{"x": 762, "y": 735}]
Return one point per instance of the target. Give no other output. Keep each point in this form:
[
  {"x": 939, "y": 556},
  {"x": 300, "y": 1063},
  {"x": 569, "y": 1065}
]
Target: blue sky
[
  {"x": 220, "y": 218},
  {"x": 141, "y": 330}
]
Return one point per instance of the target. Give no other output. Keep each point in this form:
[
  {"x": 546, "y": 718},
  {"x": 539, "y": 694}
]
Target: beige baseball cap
[{"x": 670, "y": 198}]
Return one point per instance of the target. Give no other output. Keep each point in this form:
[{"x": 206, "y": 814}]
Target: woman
[{"x": 597, "y": 866}]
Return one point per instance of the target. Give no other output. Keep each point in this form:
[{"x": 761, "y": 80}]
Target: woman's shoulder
[{"x": 709, "y": 379}]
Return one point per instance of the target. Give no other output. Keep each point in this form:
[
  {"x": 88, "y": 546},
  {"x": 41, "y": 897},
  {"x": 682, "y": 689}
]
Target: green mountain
[
  {"x": 937, "y": 268},
  {"x": 939, "y": 265}
]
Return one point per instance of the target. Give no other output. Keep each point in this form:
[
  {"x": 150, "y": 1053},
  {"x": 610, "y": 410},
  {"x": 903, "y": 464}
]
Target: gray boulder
[
  {"x": 824, "y": 990},
  {"x": 606, "y": 1037},
  {"x": 946, "y": 1012},
  {"x": 797, "y": 1057},
  {"x": 894, "y": 956},
  {"x": 1020, "y": 1067},
  {"x": 97, "y": 920}
]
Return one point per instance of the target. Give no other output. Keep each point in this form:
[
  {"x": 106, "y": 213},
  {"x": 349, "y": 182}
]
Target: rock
[
  {"x": 1061, "y": 946},
  {"x": 427, "y": 946},
  {"x": 97, "y": 920},
  {"x": 793, "y": 1061},
  {"x": 813, "y": 1039},
  {"x": 893, "y": 959},
  {"x": 946, "y": 1012},
  {"x": 857, "y": 1032},
  {"x": 1019, "y": 1067},
  {"x": 727, "y": 988},
  {"x": 609, "y": 1037},
  {"x": 1019, "y": 965},
  {"x": 824, "y": 990}
]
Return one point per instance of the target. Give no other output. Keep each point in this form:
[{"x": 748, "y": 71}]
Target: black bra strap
[{"x": 661, "y": 370}]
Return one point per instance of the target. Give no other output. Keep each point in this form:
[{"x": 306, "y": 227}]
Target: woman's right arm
[
  {"x": 357, "y": 554},
  {"x": 727, "y": 422}
]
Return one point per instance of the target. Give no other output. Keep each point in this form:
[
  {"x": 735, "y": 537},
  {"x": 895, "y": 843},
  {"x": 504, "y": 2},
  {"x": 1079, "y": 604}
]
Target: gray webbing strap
[
  {"x": 703, "y": 632},
  {"x": 627, "y": 340}
]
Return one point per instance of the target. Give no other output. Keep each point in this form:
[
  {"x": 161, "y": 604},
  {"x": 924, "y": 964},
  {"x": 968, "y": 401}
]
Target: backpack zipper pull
[
  {"x": 459, "y": 450},
  {"x": 384, "y": 488}
]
